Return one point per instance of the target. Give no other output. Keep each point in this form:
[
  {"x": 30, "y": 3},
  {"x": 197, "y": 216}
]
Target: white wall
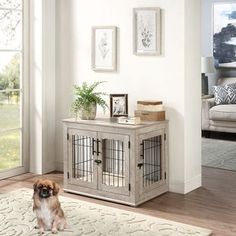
[
  {"x": 192, "y": 142},
  {"x": 42, "y": 86},
  {"x": 160, "y": 77},
  {"x": 35, "y": 87}
]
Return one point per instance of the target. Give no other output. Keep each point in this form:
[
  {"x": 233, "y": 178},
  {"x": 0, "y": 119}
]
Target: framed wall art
[
  {"x": 147, "y": 31},
  {"x": 118, "y": 105},
  {"x": 224, "y": 34},
  {"x": 104, "y": 48}
]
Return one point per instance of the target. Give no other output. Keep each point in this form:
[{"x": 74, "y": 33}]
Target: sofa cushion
[
  {"x": 223, "y": 112},
  {"x": 225, "y": 94}
]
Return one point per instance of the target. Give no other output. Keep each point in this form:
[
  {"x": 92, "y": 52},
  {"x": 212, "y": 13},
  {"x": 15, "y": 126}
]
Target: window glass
[
  {"x": 10, "y": 29},
  {"x": 11, "y": 92},
  {"x": 16, "y": 4}
]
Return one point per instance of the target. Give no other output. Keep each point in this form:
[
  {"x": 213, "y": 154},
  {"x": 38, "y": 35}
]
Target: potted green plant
[{"x": 86, "y": 100}]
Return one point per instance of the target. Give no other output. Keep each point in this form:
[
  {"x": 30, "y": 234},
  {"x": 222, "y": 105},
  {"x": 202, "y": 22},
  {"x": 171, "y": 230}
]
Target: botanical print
[
  {"x": 103, "y": 45},
  {"x": 146, "y": 37},
  {"x": 224, "y": 38},
  {"x": 104, "y": 48},
  {"x": 146, "y": 31}
]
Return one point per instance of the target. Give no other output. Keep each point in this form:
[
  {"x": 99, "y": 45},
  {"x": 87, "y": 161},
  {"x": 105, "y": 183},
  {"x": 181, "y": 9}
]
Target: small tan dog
[{"x": 47, "y": 207}]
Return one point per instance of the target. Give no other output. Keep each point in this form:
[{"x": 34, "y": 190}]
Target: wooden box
[
  {"x": 150, "y": 105},
  {"x": 150, "y": 115}
]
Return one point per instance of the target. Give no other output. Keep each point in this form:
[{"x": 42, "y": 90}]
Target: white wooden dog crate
[{"x": 121, "y": 163}]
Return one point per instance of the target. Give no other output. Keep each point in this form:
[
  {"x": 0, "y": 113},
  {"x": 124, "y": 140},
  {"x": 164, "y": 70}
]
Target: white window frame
[{"x": 24, "y": 89}]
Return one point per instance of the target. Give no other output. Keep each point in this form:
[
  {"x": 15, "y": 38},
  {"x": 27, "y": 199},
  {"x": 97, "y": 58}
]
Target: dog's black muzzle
[{"x": 44, "y": 193}]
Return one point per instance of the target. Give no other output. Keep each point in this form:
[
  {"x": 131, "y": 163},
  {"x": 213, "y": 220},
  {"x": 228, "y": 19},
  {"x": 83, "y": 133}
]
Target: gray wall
[{"x": 207, "y": 40}]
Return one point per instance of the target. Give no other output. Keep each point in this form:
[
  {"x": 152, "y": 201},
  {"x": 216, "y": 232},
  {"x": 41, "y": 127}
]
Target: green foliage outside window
[{"x": 10, "y": 79}]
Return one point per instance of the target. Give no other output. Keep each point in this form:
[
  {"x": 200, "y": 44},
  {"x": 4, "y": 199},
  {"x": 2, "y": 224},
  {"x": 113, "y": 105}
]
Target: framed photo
[
  {"x": 224, "y": 34},
  {"x": 104, "y": 48},
  {"x": 118, "y": 105},
  {"x": 147, "y": 31}
]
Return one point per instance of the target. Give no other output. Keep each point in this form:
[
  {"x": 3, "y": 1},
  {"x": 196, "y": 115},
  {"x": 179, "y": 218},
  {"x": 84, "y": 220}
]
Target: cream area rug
[{"x": 17, "y": 219}]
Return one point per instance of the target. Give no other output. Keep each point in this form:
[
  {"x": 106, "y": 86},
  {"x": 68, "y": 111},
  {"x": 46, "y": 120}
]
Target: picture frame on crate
[{"x": 118, "y": 105}]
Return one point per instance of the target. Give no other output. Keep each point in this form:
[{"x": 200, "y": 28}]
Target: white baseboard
[
  {"x": 188, "y": 186},
  {"x": 60, "y": 166},
  {"x": 176, "y": 188},
  {"x": 193, "y": 184}
]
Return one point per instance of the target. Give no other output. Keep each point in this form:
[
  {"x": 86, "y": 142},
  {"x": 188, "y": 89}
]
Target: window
[{"x": 13, "y": 76}]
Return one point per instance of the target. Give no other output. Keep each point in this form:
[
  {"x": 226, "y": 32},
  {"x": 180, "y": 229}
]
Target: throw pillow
[
  {"x": 232, "y": 85},
  {"x": 225, "y": 94}
]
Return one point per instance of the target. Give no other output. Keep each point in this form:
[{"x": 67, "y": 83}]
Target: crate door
[
  {"x": 114, "y": 167},
  {"x": 151, "y": 165},
  {"x": 82, "y": 153}
]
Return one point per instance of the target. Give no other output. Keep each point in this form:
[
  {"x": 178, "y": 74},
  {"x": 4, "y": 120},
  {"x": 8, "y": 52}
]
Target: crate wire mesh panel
[
  {"x": 151, "y": 154},
  {"x": 82, "y": 157},
  {"x": 113, "y": 168}
]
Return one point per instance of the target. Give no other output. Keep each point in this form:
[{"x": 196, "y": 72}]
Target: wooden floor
[{"x": 212, "y": 206}]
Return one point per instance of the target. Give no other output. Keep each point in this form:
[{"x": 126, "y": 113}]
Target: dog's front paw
[
  {"x": 41, "y": 231},
  {"x": 54, "y": 231}
]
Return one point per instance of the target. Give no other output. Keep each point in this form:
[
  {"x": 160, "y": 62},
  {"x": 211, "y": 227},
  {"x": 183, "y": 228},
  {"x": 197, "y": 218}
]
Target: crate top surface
[{"x": 110, "y": 123}]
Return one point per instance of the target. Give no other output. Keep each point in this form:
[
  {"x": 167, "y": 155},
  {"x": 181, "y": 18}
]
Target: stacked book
[{"x": 149, "y": 110}]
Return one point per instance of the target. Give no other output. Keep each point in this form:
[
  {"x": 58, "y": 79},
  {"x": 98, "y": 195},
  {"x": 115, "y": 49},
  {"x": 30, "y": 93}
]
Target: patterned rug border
[
  {"x": 64, "y": 199},
  {"x": 219, "y": 153}
]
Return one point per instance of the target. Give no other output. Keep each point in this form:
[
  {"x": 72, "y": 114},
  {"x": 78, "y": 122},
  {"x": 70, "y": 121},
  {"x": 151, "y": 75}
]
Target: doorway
[{"x": 218, "y": 105}]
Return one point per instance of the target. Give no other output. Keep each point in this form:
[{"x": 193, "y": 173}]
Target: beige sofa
[{"x": 220, "y": 118}]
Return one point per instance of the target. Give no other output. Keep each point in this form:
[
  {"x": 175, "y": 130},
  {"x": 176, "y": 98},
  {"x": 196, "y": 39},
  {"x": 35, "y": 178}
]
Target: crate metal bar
[
  {"x": 73, "y": 157},
  {"x": 82, "y": 158},
  {"x": 160, "y": 159},
  {"x": 151, "y": 154},
  {"x": 113, "y": 169}
]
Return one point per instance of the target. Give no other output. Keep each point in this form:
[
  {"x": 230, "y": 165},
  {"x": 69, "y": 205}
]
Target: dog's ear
[
  {"x": 35, "y": 185},
  {"x": 56, "y": 188}
]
